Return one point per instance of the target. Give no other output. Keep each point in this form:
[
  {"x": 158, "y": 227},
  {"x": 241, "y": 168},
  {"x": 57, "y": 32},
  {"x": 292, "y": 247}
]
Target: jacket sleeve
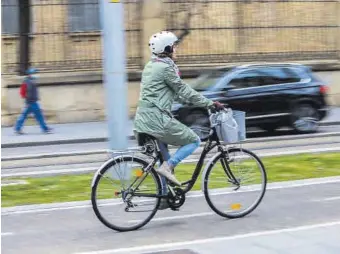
[
  {"x": 180, "y": 99},
  {"x": 183, "y": 90}
]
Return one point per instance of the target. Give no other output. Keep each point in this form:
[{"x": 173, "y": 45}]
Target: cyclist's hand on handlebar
[{"x": 218, "y": 105}]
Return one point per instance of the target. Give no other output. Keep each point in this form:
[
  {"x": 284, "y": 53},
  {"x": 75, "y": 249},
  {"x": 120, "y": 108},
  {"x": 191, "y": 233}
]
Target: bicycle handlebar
[{"x": 213, "y": 109}]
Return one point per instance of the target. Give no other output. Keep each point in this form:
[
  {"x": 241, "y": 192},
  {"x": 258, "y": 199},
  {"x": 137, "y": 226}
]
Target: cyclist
[{"x": 160, "y": 86}]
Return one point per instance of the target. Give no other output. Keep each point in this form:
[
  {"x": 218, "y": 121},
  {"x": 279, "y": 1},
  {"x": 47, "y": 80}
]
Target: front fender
[{"x": 207, "y": 167}]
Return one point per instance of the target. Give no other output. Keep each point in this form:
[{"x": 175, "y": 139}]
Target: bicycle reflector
[
  {"x": 138, "y": 172},
  {"x": 235, "y": 206}
]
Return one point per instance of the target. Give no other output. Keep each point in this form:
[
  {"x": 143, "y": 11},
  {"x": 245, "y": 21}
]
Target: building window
[
  {"x": 9, "y": 17},
  {"x": 83, "y": 16}
]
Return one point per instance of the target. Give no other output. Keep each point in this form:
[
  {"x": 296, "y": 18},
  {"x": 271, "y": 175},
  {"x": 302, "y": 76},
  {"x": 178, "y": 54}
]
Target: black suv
[{"x": 272, "y": 95}]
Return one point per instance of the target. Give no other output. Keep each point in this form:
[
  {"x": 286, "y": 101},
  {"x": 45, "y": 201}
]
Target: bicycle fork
[{"x": 225, "y": 165}]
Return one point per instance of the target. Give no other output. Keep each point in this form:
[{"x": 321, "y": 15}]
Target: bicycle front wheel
[
  {"x": 235, "y": 183},
  {"x": 125, "y": 194}
]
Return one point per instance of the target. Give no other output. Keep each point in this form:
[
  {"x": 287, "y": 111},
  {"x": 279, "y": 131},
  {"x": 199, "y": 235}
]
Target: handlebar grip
[{"x": 213, "y": 109}]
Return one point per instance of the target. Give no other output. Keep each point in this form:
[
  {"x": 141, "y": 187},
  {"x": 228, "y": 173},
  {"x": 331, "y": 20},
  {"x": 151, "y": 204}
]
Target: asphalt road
[{"x": 298, "y": 218}]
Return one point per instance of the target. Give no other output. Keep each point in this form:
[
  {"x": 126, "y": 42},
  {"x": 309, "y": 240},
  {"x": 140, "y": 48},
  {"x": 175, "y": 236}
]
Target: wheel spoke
[
  {"x": 124, "y": 197},
  {"x": 235, "y": 200}
]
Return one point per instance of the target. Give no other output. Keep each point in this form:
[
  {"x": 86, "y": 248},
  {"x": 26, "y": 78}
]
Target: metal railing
[
  {"x": 60, "y": 35},
  {"x": 65, "y": 35},
  {"x": 255, "y": 30}
]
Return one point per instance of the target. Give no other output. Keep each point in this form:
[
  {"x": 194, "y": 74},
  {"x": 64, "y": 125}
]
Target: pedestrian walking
[{"x": 29, "y": 92}]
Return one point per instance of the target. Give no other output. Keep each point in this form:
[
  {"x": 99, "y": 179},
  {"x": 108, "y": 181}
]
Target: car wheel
[{"x": 305, "y": 118}]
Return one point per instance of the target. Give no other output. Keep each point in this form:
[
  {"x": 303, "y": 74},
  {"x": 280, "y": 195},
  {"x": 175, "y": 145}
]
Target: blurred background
[
  {"x": 62, "y": 39},
  {"x": 277, "y": 60}
]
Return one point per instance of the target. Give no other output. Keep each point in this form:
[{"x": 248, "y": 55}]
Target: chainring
[{"x": 176, "y": 201}]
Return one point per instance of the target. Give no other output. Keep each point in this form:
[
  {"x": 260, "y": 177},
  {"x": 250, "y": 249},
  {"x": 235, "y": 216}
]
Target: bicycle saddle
[{"x": 142, "y": 138}]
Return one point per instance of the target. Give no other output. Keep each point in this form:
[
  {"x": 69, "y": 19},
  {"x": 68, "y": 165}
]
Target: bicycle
[{"x": 142, "y": 172}]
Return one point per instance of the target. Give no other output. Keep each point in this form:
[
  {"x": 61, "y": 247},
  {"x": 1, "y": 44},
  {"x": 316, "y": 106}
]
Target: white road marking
[
  {"x": 13, "y": 182},
  {"x": 327, "y": 199},
  {"x": 193, "y": 194},
  {"x": 261, "y": 153},
  {"x": 175, "y": 245},
  {"x": 332, "y": 198},
  {"x": 179, "y": 217},
  {"x": 44, "y": 210},
  {"x": 7, "y": 233}
]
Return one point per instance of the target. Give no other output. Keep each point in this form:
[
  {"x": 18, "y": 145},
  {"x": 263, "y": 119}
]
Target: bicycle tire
[
  {"x": 208, "y": 173},
  {"x": 94, "y": 191}
]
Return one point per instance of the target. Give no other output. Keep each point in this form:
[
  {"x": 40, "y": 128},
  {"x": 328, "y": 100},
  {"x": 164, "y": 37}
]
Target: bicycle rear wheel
[
  {"x": 125, "y": 194},
  {"x": 235, "y": 183}
]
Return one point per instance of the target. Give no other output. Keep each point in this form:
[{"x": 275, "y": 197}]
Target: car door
[
  {"x": 263, "y": 92},
  {"x": 277, "y": 85},
  {"x": 241, "y": 92}
]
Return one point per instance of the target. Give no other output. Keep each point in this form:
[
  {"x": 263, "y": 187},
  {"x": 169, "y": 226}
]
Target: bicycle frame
[
  {"x": 211, "y": 142},
  {"x": 209, "y": 145}
]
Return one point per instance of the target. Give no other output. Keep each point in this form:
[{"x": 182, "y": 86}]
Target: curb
[
  {"x": 54, "y": 142},
  {"x": 58, "y": 142},
  {"x": 98, "y": 139},
  {"x": 106, "y": 151}
]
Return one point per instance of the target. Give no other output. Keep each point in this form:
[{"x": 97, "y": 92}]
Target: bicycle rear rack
[{"x": 129, "y": 150}]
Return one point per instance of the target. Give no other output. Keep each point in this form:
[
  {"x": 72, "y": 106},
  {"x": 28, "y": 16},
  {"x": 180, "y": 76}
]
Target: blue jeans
[
  {"x": 183, "y": 152},
  {"x": 32, "y": 107},
  {"x": 173, "y": 161}
]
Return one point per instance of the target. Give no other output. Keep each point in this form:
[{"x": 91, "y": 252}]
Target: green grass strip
[{"x": 78, "y": 187}]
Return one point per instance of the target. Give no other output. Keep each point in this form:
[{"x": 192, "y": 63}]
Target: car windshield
[{"x": 208, "y": 81}]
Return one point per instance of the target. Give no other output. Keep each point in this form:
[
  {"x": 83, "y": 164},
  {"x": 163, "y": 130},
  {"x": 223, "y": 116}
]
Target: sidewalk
[
  {"x": 85, "y": 132},
  {"x": 62, "y": 134}
]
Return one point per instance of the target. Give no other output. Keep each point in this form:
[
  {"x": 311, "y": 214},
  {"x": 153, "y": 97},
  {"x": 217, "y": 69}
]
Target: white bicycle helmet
[{"x": 162, "y": 42}]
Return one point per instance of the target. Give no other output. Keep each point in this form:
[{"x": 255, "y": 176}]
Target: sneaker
[
  {"x": 20, "y": 132},
  {"x": 165, "y": 170},
  {"x": 48, "y": 131}
]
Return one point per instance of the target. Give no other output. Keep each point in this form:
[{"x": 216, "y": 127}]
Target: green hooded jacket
[{"x": 160, "y": 86}]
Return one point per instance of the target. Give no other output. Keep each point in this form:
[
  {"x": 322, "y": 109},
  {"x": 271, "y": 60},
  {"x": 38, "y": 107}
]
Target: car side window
[
  {"x": 246, "y": 79},
  {"x": 278, "y": 75},
  {"x": 265, "y": 76}
]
